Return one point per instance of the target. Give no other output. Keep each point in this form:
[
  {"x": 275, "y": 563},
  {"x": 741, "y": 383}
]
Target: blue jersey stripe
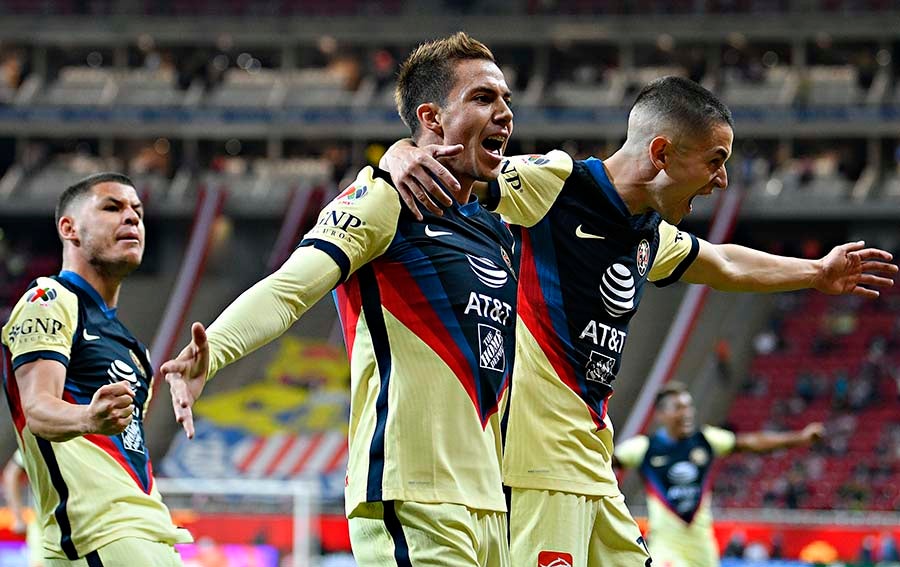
[
  {"x": 422, "y": 270},
  {"x": 62, "y": 490},
  {"x": 395, "y": 528},
  {"x": 339, "y": 256},
  {"x": 39, "y": 355},
  {"x": 683, "y": 266},
  {"x": 541, "y": 238},
  {"x": 371, "y": 308}
]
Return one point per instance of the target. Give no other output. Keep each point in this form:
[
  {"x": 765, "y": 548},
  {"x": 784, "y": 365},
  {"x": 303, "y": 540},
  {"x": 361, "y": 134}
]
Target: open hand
[
  {"x": 186, "y": 376},
  {"x": 849, "y": 266}
]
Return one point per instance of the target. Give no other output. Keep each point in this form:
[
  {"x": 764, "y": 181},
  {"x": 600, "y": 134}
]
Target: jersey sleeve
[
  {"x": 359, "y": 224},
  {"x": 42, "y": 324},
  {"x": 631, "y": 452},
  {"x": 270, "y": 307},
  {"x": 721, "y": 440},
  {"x": 677, "y": 250},
  {"x": 528, "y": 186}
]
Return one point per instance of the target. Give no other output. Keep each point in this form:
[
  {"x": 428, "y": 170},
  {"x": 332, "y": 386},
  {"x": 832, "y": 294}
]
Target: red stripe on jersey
[
  {"x": 399, "y": 290},
  {"x": 286, "y": 446},
  {"x": 349, "y": 306},
  {"x": 12, "y": 392},
  {"x": 105, "y": 443},
  {"x": 535, "y": 315},
  {"x": 307, "y": 454}
]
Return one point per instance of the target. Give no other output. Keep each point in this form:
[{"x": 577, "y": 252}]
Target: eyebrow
[
  {"x": 722, "y": 153},
  {"x": 120, "y": 202},
  {"x": 507, "y": 94}
]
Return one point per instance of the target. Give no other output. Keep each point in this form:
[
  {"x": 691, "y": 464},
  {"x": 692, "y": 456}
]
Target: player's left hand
[
  {"x": 813, "y": 433},
  {"x": 418, "y": 175},
  {"x": 186, "y": 376},
  {"x": 849, "y": 267}
]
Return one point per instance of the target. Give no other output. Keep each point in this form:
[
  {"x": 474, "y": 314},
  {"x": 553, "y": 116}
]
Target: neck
[
  {"x": 632, "y": 179},
  {"x": 107, "y": 286},
  {"x": 465, "y": 181}
]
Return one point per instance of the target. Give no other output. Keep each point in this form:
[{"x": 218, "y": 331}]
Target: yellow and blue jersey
[
  {"x": 677, "y": 478},
  {"x": 92, "y": 489},
  {"x": 428, "y": 313},
  {"x": 585, "y": 262}
]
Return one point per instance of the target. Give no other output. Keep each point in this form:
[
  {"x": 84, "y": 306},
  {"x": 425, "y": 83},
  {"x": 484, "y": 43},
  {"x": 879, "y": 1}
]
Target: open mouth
[{"x": 494, "y": 144}]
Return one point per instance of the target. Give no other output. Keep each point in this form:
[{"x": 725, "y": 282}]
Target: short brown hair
[
  {"x": 428, "y": 74},
  {"x": 673, "y": 388}
]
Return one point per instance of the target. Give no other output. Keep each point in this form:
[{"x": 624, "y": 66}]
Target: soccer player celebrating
[
  {"x": 78, "y": 384},
  {"x": 593, "y": 233},
  {"x": 675, "y": 464},
  {"x": 428, "y": 313}
]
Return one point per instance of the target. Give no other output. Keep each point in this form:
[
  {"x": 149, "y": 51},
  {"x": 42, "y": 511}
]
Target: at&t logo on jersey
[
  {"x": 41, "y": 295},
  {"x": 491, "y": 355},
  {"x": 617, "y": 290},
  {"x": 119, "y": 371},
  {"x": 555, "y": 559},
  {"x": 487, "y": 272}
]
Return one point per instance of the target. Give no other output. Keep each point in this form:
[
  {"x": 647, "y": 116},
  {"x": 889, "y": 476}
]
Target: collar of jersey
[
  {"x": 595, "y": 166},
  {"x": 81, "y": 283},
  {"x": 469, "y": 208}
]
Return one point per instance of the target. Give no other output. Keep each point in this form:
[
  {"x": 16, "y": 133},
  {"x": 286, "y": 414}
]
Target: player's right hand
[
  {"x": 186, "y": 376},
  {"x": 111, "y": 409},
  {"x": 416, "y": 172}
]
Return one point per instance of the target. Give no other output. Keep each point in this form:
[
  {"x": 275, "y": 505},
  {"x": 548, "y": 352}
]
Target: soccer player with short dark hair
[
  {"x": 78, "y": 384},
  {"x": 593, "y": 234}
]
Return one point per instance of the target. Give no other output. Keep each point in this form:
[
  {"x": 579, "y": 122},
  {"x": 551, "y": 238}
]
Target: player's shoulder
[
  {"x": 554, "y": 160},
  {"x": 47, "y": 292},
  {"x": 369, "y": 182}
]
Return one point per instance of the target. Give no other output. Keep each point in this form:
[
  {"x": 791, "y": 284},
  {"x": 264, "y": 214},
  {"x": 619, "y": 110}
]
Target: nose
[
  {"x": 131, "y": 216},
  {"x": 504, "y": 113},
  {"x": 721, "y": 178}
]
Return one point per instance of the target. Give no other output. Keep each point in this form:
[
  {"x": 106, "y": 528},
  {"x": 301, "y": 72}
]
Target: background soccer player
[
  {"x": 675, "y": 463},
  {"x": 594, "y": 233},
  {"x": 428, "y": 312},
  {"x": 80, "y": 387}
]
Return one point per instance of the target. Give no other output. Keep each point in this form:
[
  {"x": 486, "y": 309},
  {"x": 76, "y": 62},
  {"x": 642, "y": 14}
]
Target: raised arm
[
  {"x": 765, "y": 441},
  {"x": 844, "y": 270}
]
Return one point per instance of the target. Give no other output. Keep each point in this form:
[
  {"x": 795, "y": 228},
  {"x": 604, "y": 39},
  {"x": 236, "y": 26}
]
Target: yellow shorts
[
  {"x": 558, "y": 529},
  {"x": 125, "y": 552},
  {"x": 403, "y": 534}
]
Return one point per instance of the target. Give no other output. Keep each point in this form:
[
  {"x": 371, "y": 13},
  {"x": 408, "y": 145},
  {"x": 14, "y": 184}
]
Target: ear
[
  {"x": 67, "y": 230},
  {"x": 429, "y": 115},
  {"x": 659, "y": 147}
]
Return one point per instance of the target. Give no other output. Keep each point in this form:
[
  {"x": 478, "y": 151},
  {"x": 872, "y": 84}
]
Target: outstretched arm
[
  {"x": 259, "y": 315},
  {"x": 847, "y": 269},
  {"x": 765, "y": 441}
]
